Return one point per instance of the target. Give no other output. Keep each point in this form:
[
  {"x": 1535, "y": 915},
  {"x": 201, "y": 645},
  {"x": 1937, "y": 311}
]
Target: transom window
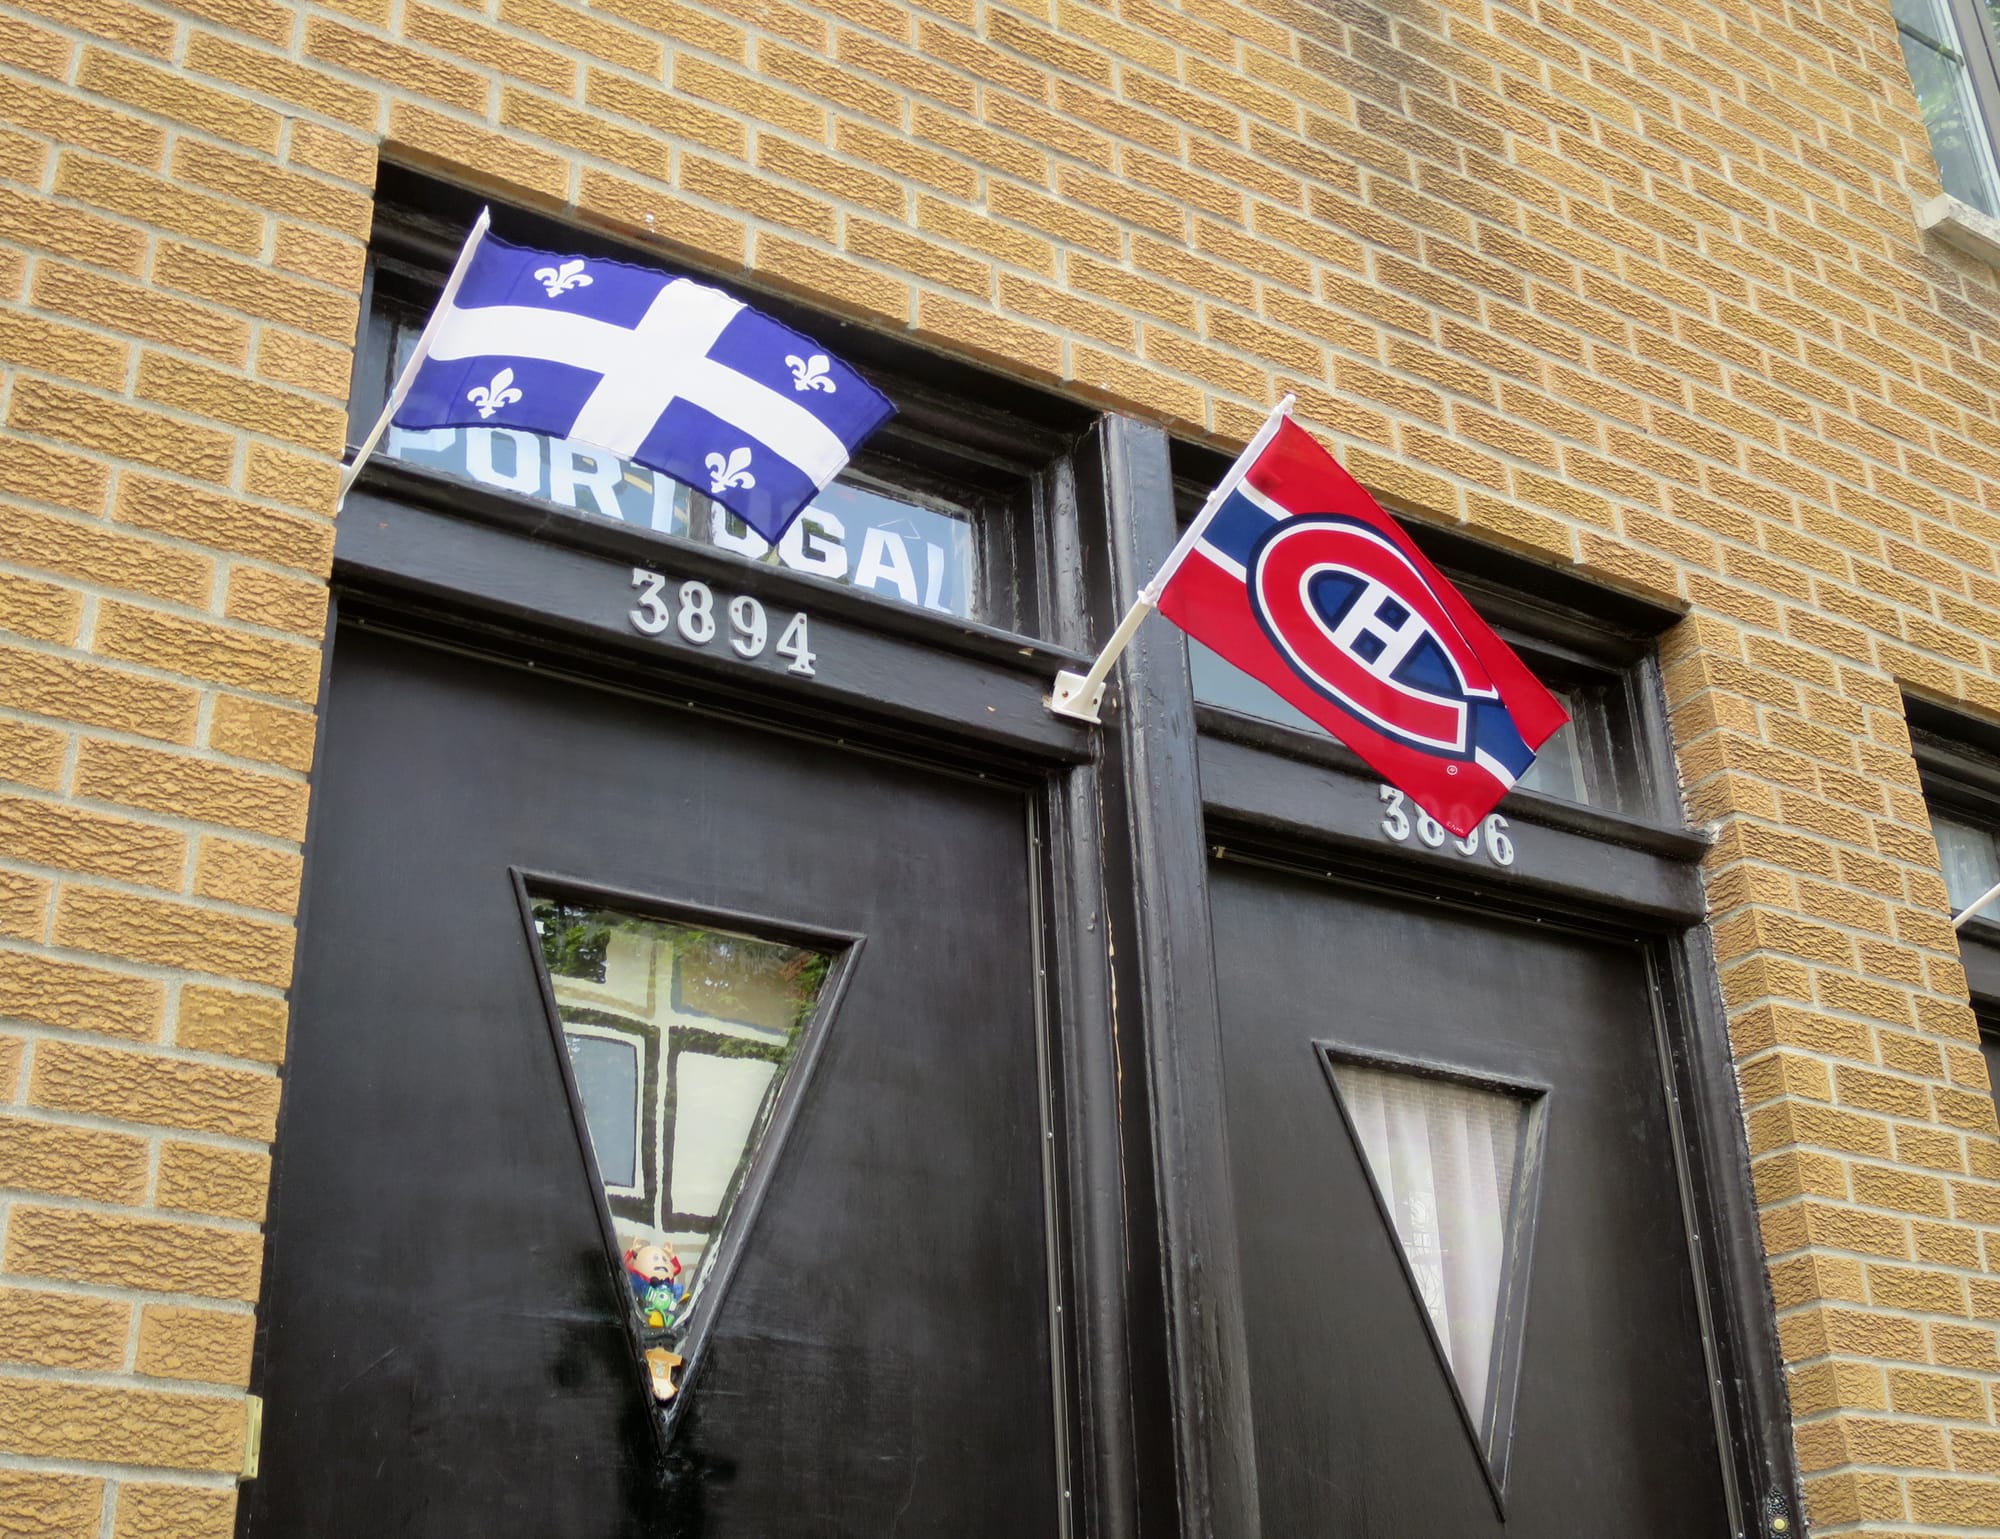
[{"x": 938, "y": 512}]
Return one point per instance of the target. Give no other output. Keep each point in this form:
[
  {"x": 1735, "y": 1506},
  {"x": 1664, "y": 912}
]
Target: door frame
[{"x": 1148, "y": 1343}]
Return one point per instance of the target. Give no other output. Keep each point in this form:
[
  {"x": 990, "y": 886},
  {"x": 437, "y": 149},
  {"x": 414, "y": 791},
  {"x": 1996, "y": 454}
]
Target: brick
[
  {"x": 47, "y": 1329},
  {"x": 39, "y": 473},
  {"x": 158, "y": 203},
  {"x": 741, "y": 92},
  {"x": 667, "y": 113},
  {"x": 255, "y": 291},
  {"x": 225, "y": 523},
  {"x": 92, "y": 553},
  {"x": 277, "y": 78},
  {"x": 482, "y": 44},
  {"x": 160, "y": 1511},
  {"x": 138, "y": 311},
  {"x": 152, "y": 438},
  {"x": 64, "y": 1161},
  {"x": 41, "y": 611},
  {"x": 49, "y": 833},
  {"x": 82, "y": 124},
  {"x": 675, "y": 223},
  {"x": 223, "y": 1183},
  {"x": 417, "y": 131},
  {"x": 833, "y": 176},
  {"x": 357, "y": 52},
  {"x": 308, "y": 482},
  {"x": 78, "y": 996},
  {"x": 982, "y": 334},
  {"x": 819, "y": 77},
  {"x": 179, "y": 935},
  {"x": 24, "y": 905},
  {"x": 45, "y": 225},
  {"x": 89, "y": 1080},
  {"x": 171, "y": 95},
  {"x": 256, "y": 730},
  {"x": 90, "y": 694},
  {"x": 204, "y": 391},
  {"x": 826, "y": 278},
  {"x": 120, "y": 1425},
  {"x": 208, "y": 1345},
  {"x": 754, "y": 195},
  {"x": 575, "y": 28},
  {"x": 212, "y": 653},
  {"x": 40, "y": 1504},
  {"x": 235, "y": 1025},
  {"x": 31, "y": 755},
  {"x": 584, "y": 132},
  {"x": 249, "y": 875}
]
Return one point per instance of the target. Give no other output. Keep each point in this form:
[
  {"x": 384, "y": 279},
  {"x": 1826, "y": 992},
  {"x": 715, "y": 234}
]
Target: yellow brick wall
[{"x": 1632, "y": 287}]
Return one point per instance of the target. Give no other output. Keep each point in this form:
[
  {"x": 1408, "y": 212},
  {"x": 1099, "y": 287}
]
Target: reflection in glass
[
  {"x": 859, "y": 535},
  {"x": 1444, "y": 1158},
  {"x": 680, "y": 1039},
  {"x": 1557, "y": 770},
  {"x": 1971, "y": 863},
  {"x": 1935, "y": 55}
]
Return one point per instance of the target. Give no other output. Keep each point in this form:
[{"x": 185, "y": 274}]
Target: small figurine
[
  {"x": 661, "y": 1366},
  {"x": 654, "y": 1272}
]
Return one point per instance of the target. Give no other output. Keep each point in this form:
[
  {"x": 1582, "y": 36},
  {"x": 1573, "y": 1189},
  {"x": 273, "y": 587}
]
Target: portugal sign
[{"x": 1300, "y": 580}]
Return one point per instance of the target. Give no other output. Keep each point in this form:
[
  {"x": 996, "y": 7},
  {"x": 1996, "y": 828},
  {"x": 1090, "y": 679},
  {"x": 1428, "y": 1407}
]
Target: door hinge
[{"x": 253, "y": 1435}]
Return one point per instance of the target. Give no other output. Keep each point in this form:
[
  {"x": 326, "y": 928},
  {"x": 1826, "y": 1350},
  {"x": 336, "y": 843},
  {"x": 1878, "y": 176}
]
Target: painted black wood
[
  {"x": 1163, "y": 975},
  {"x": 1357, "y": 1431},
  {"x": 1286, "y": 807},
  {"x": 931, "y": 675},
  {"x": 442, "y": 1342},
  {"x": 1088, "y": 1089},
  {"x": 1720, "y": 1202}
]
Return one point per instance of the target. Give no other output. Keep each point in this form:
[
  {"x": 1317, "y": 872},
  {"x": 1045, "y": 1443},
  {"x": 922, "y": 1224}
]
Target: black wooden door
[
  {"x": 444, "y": 1348},
  {"x": 1591, "y": 1410}
]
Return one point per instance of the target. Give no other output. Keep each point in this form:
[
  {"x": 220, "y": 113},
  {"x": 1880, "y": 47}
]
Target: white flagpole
[
  {"x": 1078, "y": 695},
  {"x": 429, "y": 334},
  {"x": 1978, "y": 903}
]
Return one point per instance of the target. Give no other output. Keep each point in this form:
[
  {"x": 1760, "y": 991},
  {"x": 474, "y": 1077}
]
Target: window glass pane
[
  {"x": 607, "y": 1077},
  {"x": 1557, "y": 770},
  {"x": 864, "y": 536},
  {"x": 681, "y": 1039},
  {"x": 1444, "y": 1158},
  {"x": 1936, "y": 57},
  {"x": 1971, "y": 865}
]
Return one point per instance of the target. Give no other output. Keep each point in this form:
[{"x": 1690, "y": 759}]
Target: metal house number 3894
[
  {"x": 1489, "y": 838},
  {"x": 700, "y": 615}
]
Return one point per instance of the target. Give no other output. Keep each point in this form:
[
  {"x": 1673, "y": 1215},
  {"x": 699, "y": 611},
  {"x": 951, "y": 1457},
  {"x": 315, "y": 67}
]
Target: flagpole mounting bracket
[{"x": 1077, "y": 697}]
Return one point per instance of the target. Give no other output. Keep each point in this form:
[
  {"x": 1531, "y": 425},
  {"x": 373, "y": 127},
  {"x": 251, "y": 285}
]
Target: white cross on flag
[{"x": 645, "y": 365}]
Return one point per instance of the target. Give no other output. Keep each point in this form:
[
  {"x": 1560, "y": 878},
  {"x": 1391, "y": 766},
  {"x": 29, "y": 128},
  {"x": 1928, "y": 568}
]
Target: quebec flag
[
  {"x": 1304, "y": 583},
  {"x": 646, "y": 366}
]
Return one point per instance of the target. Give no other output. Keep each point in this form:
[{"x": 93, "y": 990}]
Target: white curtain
[{"x": 1444, "y": 1158}]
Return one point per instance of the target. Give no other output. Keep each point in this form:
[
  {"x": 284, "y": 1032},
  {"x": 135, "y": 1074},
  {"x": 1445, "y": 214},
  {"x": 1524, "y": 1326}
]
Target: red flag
[{"x": 1303, "y": 582}]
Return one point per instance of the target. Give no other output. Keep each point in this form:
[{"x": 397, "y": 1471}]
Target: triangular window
[
  {"x": 1451, "y": 1161},
  {"x": 686, "y": 1043}
]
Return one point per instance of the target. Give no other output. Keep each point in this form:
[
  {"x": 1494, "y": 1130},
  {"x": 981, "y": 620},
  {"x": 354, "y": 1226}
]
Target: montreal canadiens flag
[{"x": 1300, "y": 580}]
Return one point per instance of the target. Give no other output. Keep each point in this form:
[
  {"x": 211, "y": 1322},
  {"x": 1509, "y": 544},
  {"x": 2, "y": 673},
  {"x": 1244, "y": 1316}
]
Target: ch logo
[{"x": 1358, "y": 623}]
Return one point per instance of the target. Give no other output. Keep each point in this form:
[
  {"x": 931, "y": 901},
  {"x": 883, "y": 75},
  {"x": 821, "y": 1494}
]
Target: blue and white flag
[{"x": 647, "y": 366}]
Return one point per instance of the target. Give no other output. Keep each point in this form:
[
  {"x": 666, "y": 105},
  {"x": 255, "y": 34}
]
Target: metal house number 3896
[{"x": 1489, "y": 838}]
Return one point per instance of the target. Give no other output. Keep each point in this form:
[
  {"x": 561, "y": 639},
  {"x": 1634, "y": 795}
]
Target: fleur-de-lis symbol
[
  {"x": 490, "y": 398},
  {"x": 810, "y": 373},
  {"x": 734, "y": 471},
  {"x": 560, "y": 280}
]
